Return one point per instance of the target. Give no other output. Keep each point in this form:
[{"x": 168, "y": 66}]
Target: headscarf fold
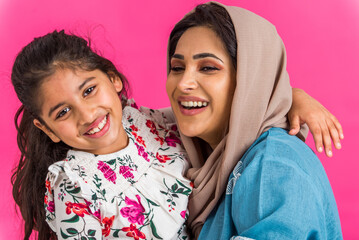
[{"x": 262, "y": 99}]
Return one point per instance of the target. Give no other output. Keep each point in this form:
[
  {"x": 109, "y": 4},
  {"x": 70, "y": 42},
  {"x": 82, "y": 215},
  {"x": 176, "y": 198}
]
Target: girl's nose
[
  {"x": 86, "y": 114},
  {"x": 188, "y": 81}
]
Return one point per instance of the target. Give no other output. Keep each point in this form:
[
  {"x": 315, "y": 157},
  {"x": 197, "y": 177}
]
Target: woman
[{"x": 230, "y": 93}]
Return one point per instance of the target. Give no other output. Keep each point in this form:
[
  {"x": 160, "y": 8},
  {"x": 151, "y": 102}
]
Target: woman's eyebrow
[
  {"x": 197, "y": 56},
  {"x": 179, "y": 56},
  {"x": 205, "y": 55}
]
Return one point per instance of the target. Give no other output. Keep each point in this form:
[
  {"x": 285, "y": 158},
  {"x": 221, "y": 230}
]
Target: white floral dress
[{"x": 136, "y": 193}]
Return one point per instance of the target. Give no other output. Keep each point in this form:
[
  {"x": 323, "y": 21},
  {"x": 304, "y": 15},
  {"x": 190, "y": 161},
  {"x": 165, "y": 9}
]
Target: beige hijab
[{"x": 262, "y": 98}]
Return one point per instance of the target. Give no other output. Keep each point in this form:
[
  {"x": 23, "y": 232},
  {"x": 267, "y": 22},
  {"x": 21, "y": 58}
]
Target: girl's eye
[
  {"x": 62, "y": 112},
  {"x": 209, "y": 69},
  {"x": 177, "y": 69},
  {"x": 88, "y": 91}
]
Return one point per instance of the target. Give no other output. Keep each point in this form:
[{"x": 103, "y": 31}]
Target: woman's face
[{"x": 201, "y": 84}]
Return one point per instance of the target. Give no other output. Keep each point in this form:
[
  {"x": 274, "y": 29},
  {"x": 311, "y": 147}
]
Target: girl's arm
[{"x": 323, "y": 125}]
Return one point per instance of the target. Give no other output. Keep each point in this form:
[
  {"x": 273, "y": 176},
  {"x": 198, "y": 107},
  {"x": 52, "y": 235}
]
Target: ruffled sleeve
[{"x": 67, "y": 212}]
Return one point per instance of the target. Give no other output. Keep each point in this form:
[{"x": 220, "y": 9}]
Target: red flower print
[
  {"x": 161, "y": 140},
  {"x": 79, "y": 209},
  {"x": 48, "y": 186},
  {"x": 191, "y": 184},
  {"x": 126, "y": 172},
  {"x": 174, "y": 128},
  {"x": 46, "y": 199},
  {"x": 107, "y": 223},
  {"x": 140, "y": 141},
  {"x": 183, "y": 214},
  {"x": 132, "y": 231},
  {"x": 108, "y": 173},
  {"x": 51, "y": 206},
  {"x": 152, "y": 126},
  {"x": 134, "y": 128},
  {"x": 162, "y": 158},
  {"x": 134, "y": 212},
  {"x": 172, "y": 139}
]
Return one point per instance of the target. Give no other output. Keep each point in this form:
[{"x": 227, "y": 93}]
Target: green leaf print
[
  {"x": 83, "y": 238},
  {"x": 154, "y": 230},
  {"x": 72, "y": 231},
  {"x": 111, "y": 162},
  {"x": 115, "y": 233},
  {"x": 63, "y": 235},
  {"x": 91, "y": 232},
  {"x": 75, "y": 190},
  {"x": 74, "y": 219}
]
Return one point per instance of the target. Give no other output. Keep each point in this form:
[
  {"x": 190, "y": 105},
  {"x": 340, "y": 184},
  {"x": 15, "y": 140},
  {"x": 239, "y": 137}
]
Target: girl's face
[
  {"x": 82, "y": 109},
  {"x": 201, "y": 84}
]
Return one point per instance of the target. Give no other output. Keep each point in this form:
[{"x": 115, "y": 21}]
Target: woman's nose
[{"x": 188, "y": 81}]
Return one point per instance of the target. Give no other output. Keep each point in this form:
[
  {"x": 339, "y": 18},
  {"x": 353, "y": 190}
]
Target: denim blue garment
[{"x": 279, "y": 190}]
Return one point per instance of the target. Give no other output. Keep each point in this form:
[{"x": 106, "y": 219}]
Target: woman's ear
[
  {"x": 116, "y": 81},
  {"x": 47, "y": 131}
]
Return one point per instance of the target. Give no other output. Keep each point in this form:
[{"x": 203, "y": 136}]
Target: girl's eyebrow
[
  {"x": 197, "y": 56},
  {"x": 55, "y": 107},
  {"x": 62, "y": 103},
  {"x": 84, "y": 82}
]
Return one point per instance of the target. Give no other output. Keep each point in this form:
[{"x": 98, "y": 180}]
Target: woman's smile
[{"x": 201, "y": 84}]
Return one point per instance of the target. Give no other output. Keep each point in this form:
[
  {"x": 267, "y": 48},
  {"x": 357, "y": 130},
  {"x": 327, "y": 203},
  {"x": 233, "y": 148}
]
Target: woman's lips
[
  {"x": 191, "y": 105},
  {"x": 99, "y": 128}
]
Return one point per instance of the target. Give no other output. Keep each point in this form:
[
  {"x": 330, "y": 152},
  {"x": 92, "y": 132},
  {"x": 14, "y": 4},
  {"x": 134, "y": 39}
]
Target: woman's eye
[
  {"x": 62, "y": 112},
  {"x": 88, "y": 91},
  {"x": 209, "y": 69},
  {"x": 177, "y": 69}
]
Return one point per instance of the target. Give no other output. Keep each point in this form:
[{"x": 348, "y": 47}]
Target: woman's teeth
[
  {"x": 191, "y": 104},
  {"x": 99, "y": 127}
]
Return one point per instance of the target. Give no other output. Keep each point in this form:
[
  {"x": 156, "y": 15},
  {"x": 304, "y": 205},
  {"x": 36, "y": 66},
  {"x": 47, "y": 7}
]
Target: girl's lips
[{"x": 103, "y": 131}]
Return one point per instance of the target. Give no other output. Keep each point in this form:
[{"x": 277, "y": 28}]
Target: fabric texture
[
  {"x": 263, "y": 202},
  {"x": 262, "y": 99},
  {"x": 137, "y": 192}
]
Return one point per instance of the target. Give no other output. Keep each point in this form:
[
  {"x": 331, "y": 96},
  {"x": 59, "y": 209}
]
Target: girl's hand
[{"x": 323, "y": 125}]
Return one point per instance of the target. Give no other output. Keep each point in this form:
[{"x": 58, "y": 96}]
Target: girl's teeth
[
  {"x": 99, "y": 127},
  {"x": 193, "y": 104}
]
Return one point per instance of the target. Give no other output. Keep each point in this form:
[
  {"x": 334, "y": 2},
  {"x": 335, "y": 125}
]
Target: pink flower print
[
  {"x": 126, "y": 172},
  {"x": 142, "y": 152},
  {"x": 108, "y": 173},
  {"x": 183, "y": 214},
  {"x": 134, "y": 211},
  {"x": 172, "y": 139},
  {"x": 51, "y": 206}
]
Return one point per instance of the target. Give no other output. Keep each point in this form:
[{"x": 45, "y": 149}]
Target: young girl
[{"x": 113, "y": 171}]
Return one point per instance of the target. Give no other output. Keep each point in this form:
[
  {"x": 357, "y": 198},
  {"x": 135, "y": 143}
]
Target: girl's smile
[{"x": 83, "y": 109}]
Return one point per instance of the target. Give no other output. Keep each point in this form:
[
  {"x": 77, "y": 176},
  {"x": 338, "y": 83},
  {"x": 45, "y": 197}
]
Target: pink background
[{"x": 322, "y": 40}]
